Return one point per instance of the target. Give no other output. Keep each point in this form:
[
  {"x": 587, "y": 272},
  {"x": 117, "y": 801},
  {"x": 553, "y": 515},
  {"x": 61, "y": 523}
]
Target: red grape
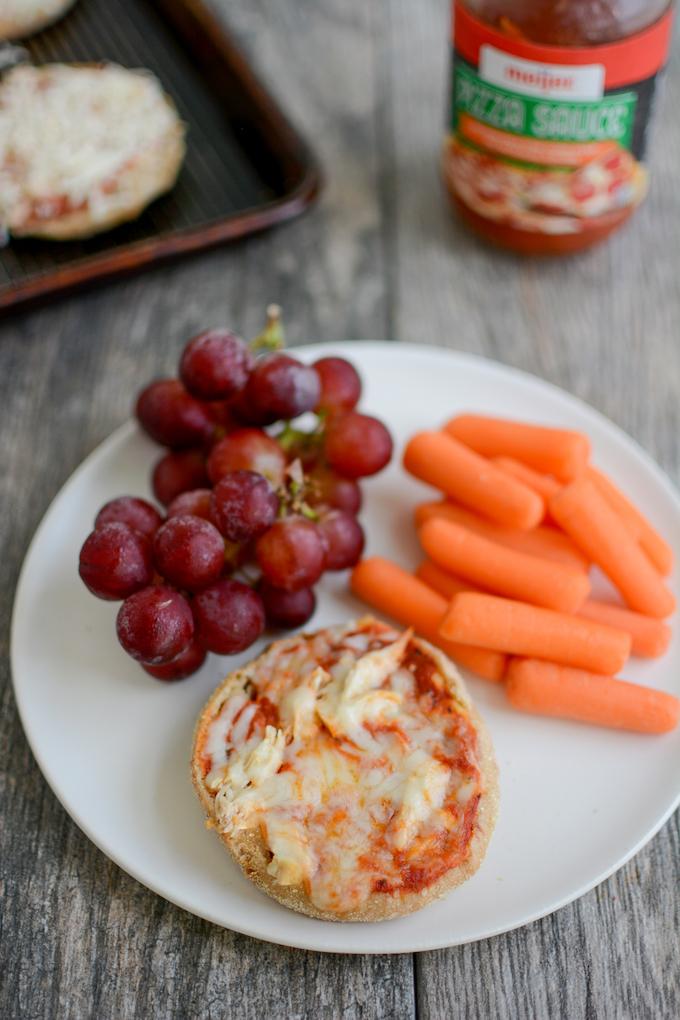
[
  {"x": 115, "y": 561},
  {"x": 222, "y": 414},
  {"x": 325, "y": 488},
  {"x": 357, "y": 445},
  {"x": 247, "y": 450},
  {"x": 229, "y": 616},
  {"x": 178, "y": 472},
  {"x": 172, "y": 416},
  {"x": 281, "y": 387},
  {"x": 189, "y": 552},
  {"x": 291, "y": 553},
  {"x": 340, "y": 384},
  {"x": 242, "y": 410},
  {"x": 186, "y": 663},
  {"x": 215, "y": 365},
  {"x": 287, "y": 608},
  {"x": 155, "y": 625},
  {"x": 136, "y": 513},
  {"x": 243, "y": 505},
  {"x": 344, "y": 539},
  {"x": 195, "y": 502}
]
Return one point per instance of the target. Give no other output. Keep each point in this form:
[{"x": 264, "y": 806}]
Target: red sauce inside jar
[{"x": 551, "y": 103}]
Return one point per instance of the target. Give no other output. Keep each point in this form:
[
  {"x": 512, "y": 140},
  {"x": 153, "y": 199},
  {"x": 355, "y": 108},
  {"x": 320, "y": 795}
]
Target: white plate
[{"x": 576, "y": 802}]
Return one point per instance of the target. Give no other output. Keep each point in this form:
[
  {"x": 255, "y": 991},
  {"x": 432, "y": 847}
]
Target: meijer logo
[
  {"x": 547, "y": 81},
  {"x": 544, "y": 80}
]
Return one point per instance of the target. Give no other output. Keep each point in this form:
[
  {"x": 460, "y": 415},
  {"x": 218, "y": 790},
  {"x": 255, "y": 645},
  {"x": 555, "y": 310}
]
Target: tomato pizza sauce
[{"x": 551, "y": 106}]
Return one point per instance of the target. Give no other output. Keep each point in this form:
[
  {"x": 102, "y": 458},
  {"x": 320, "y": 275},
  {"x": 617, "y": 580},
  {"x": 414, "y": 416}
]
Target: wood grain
[{"x": 379, "y": 257}]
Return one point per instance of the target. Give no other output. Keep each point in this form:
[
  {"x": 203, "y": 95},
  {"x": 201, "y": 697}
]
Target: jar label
[{"x": 547, "y": 138}]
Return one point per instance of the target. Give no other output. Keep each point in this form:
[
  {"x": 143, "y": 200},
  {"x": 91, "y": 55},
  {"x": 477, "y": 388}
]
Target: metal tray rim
[{"x": 130, "y": 257}]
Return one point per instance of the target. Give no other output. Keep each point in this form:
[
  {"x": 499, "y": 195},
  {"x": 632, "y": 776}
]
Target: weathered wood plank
[{"x": 611, "y": 954}]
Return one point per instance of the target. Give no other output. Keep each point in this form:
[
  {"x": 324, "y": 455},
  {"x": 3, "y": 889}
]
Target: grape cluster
[{"x": 256, "y": 507}]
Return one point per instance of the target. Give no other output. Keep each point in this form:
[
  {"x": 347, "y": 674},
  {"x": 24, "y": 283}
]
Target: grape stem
[
  {"x": 272, "y": 337},
  {"x": 290, "y": 438},
  {"x": 307, "y": 511},
  {"x": 291, "y": 494},
  {"x": 296, "y": 476}
]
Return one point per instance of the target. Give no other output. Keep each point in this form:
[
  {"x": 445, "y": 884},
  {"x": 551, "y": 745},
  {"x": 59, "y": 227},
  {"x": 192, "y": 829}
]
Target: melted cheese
[
  {"x": 298, "y": 706},
  {"x": 255, "y": 766},
  {"x": 217, "y": 744},
  {"x": 66, "y": 133},
  {"x": 292, "y": 857},
  {"x": 353, "y": 696},
  {"x": 354, "y": 779},
  {"x": 423, "y": 791},
  {"x": 242, "y": 724}
]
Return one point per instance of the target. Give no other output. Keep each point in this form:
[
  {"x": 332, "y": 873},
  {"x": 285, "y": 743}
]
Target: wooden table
[{"x": 379, "y": 257}]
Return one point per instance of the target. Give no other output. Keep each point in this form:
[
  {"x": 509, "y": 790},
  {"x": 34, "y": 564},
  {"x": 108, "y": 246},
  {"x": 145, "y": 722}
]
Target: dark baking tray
[{"x": 246, "y": 168}]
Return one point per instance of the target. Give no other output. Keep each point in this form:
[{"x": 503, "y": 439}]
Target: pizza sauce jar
[{"x": 552, "y": 102}]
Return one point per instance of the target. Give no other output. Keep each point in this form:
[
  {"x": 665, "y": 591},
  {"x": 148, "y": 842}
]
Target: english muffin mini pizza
[
  {"x": 83, "y": 148},
  {"x": 348, "y": 773},
  {"x": 22, "y": 17}
]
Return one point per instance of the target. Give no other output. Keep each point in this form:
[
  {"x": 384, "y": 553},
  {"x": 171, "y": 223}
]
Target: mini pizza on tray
[
  {"x": 348, "y": 773},
  {"x": 19, "y": 18},
  {"x": 83, "y": 148}
]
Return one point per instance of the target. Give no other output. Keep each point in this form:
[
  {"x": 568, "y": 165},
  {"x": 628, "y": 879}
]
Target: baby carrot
[
  {"x": 443, "y": 581},
  {"x": 442, "y": 461},
  {"x": 504, "y": 571},
  {"x": 658, "y": 550},
  {"x": 558, "y": 452},
  {"x": 650, "y": 637},
  {"x": 544, "y": 688},
  {"x": 584, "y": 513},
  {"x": 545, "y": 485},
  {"x": 547, "y": 543},
  {"x": 520, "y": 629},
  {"x": 395, "y": 592}
]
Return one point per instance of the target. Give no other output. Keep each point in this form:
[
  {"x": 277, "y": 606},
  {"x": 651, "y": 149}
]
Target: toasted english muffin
[
  {"x": 83, "y": 148},
  {"x": 19, "y": 18},
  {"x": 348, "y": 773}
]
